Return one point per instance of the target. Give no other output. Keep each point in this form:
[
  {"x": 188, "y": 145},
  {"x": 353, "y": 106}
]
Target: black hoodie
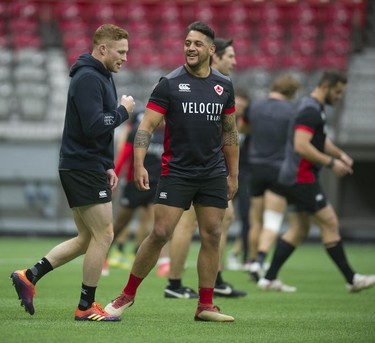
[{"x": 92, "y": 114}]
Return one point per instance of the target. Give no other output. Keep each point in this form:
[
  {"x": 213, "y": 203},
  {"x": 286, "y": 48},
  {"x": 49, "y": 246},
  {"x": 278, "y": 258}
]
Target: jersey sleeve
[
  {"x": 308, "y": 119},
  {"x": 230, "y": 107},
  {"x": 159, "y": 99}
]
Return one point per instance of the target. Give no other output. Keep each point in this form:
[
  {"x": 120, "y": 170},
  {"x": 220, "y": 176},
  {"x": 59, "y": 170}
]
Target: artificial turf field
[{"x": 320, "y": 311}]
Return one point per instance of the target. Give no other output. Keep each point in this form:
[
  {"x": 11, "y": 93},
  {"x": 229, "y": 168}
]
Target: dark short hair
[
  {"x": 202, "y": 28},
  {"x": 221, "y": 44},
  {"x": 333, "y": 77}
]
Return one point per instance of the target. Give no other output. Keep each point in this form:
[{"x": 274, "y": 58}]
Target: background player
[{"x": 308, "y": 149}]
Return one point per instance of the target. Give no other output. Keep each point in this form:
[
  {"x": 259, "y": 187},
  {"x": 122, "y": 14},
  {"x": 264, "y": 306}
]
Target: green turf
[{"x": 321, "y": 311}]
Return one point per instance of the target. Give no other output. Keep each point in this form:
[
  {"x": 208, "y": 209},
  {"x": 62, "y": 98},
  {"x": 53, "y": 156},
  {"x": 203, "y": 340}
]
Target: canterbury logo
[
  {"x": 96, "y": 317},
  {"x": 163, "y": 195},
  {"x": 184, "y": 87},
  {"x": 102, "y": 194}
]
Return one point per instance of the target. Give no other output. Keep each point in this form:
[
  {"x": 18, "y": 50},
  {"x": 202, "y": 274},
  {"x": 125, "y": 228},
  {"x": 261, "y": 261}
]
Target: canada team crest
[{"x": 219, "y": 90}]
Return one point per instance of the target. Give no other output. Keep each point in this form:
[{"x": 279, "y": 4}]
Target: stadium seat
[
  {"x": 4, "y": 10},
  {"x": 339, "y": 14},
  {"x": 270, "y": 13},
  {"x": 271, "y": 31},
  {"x": 303, "y": 31},
  {"x": 68, "y": 11},
  {"x": 27, "y": 72},
  {"x": 171, "y": 30},
  {"x": 137, "y": 12},
  {"x": 332, "y": 30},
  {"x": 238, "y": 31},
  {"x": 6, "y": 57},
  {"x": 6, "y": 99},
  {"x": 243, "y": 46},
  {"x": 303, "y": 46},
  {"x": 146, "y": 45},
  {"x": 302, "y": 14},
  {"x": 98, "y": 11},
  {"x": 4, "y": 41},
  {"x": 78, "y": 43},
  {"x": 72, "y": 27},
  {"x": 171, "y": 11},
  {"x": 271, "y": 47},
  {"x": 20, "y": 41},
  {"x": 304, "y": 63},
  {"x": 139, "y": 29},
  {"x": 335, "y": 45},
  {"x": 26, "y": 25},
  {"x": 33, "y": 98},
  {"x": 332, "y": 61},
  {"x": 234, "y": 13},
  {"x": 23, "y": 9},
  {"x": 30, "y": 57}
]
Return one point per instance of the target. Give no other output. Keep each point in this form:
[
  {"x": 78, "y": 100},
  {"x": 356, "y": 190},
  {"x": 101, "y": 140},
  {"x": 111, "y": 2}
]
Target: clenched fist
[{"x": 128, "y": 102}]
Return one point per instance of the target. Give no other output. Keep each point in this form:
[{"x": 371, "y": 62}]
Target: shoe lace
[
  {"x": 213, "y": 308},
  {"x": 121, "y": 300},
  {"x": 98, "y": 309}
]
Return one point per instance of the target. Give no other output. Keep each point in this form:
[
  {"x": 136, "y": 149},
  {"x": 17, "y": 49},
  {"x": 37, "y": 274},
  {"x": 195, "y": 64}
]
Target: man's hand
[
  {"x": 232, "y": 183},
  {"x": 128, "y": 102},
  {"x": 141, "y": 179},
  {"x": 346, "y": 159},
  {"x": 112, "y": 178},
  {"x": 340, "y": 168}
]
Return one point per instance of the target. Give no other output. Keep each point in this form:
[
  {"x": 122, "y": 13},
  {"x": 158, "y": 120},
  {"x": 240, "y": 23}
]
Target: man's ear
[
  {"x": 102, "y": 49},
  {"x": 325, "y": 85}
]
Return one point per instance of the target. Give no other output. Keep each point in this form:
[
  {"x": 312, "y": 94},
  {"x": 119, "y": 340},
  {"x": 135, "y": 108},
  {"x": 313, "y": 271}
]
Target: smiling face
[
  {"x": 114, "y": 54},
  {"x": 198, "y": 48}
]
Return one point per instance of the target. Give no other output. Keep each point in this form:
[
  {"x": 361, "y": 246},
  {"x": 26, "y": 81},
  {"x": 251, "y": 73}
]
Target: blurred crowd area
[{"x": 39, "y": 41}]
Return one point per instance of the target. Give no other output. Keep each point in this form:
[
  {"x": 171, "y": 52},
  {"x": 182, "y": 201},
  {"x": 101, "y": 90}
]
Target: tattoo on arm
[
  {"x": 142, "y": 139},
  {"x": 230, "y": 133}
]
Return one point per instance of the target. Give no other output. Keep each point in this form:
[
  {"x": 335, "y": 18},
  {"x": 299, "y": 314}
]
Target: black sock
[
  {"x": 219, "y": 279},
  {"x": 87, "y": 297},
  {"x": 261, "y": 256},
  {"x": 337, "y": 254},
  {"x": 282, "y": 252},
  {"x": 40, "y": 269},
  {"x": 174, "y": 283}
]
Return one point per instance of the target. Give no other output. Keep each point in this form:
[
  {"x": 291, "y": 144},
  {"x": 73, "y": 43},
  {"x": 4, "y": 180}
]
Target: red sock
[
  {"x": 206, "y": 295},
  {"x": 132, "y": 285}
]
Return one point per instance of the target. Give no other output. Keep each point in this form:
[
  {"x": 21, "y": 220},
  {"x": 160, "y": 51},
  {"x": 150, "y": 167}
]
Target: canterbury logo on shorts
[
  {"x": 103, "y": 194},
  {"x": 163, "y": 195}
]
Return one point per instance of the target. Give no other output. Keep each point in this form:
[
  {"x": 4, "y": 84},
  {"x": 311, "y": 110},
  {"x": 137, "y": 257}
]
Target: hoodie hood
[{"x": 86, "y": 60}]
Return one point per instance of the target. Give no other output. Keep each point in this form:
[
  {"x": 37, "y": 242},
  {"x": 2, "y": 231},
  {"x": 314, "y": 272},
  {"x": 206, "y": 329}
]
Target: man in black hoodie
[{"x": 86, "y": 170}]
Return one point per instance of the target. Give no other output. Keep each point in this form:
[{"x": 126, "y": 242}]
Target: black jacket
[{"x": 92, "y": 114}]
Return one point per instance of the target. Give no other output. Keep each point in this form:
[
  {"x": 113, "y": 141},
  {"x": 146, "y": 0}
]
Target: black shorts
[
  {"x": 85, "y": 187},
  {"x": 264, "y": 178},
  {"x": 180, "y": 192},
  {"x": 132, "y": 197},
  {"x": 306, "y": 197}
]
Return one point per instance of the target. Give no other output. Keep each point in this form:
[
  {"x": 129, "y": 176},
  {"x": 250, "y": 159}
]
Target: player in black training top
[
  {"x": 308, "y": 149},
  {"x": 199, "y": 165}
]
